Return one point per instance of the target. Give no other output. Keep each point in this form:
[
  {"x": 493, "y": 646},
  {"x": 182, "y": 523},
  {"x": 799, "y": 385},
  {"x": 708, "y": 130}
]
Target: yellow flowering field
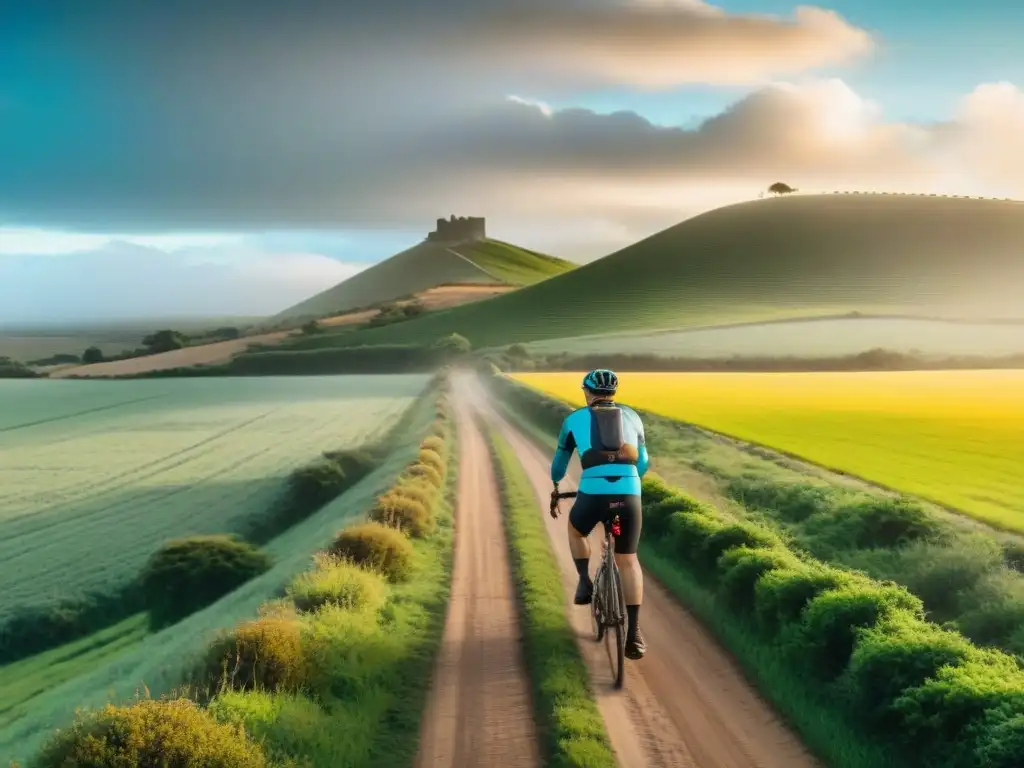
[{"x": 955, "y": 437}]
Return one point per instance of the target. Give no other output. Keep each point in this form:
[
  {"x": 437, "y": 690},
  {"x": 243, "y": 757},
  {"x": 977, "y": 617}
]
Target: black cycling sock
[
  {"x": 632, "y": 615},
  {"x": 583, "y": 568}
]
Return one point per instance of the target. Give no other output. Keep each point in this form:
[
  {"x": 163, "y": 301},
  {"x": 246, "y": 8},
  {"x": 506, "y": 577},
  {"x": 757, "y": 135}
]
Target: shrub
[
  {"x": 656, "y": 516},
  {"x": 899, "y": 653},
  {"x": 875, "y": 522},
  {"x": 794, "y": 502},
  {"x": 427, "y": 473},
  {"x": 689, "y": 531},
  {"x": 1002, "y": 742},
  {"x": 781, "y": 596},
  {"x": 404, "y": 513},
  {"x": 173, "y": 732},
  {"x": 435, "y": 444},
  {"x": 655, "y": 489},
  {"x": 945, "y": 711},
  {"x": 734, "y": 535},
  {"x": 825, "y": 637},
  {"x": 417, "y": 490},
  {"x": 264, "y": 654},
  {"x": 378, "y": 547},
  {"x": 337, "y": 582},
  {"x": 431, "y": 458},
  {"x": 188, "y": 574},
  {"x": 314, "y": 485},
  {"x": 355, "y": 463},
  {"x": 740, "y": 569},
  {"x": 282, "y": 724}
]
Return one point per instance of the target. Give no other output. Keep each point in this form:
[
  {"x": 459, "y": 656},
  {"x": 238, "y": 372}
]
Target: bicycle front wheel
[{"x": 619, "y": 614}]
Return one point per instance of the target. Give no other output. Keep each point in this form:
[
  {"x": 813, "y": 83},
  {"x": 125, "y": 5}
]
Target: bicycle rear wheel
[{"x": 597, "y": 615}]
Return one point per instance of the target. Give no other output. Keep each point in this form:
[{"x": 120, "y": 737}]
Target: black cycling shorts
[{"x": 590, "y": 510}]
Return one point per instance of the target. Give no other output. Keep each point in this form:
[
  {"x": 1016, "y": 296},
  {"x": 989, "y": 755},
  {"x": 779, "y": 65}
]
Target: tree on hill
[
  {"x": 779, "y": 188},
  {"x": 165, "y": 341},
  {"x": 311, "y": 328},
  {"x": 452, "y": 346},
  {"x": 92, "y": 355}
]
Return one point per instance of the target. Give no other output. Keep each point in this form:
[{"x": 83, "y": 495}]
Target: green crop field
[
  {"x": 427, "y": 265},
  {"x": 953, "y": 437},
  {"x": 830, "y": 337},
  {"x": 94, "y": 476},
  {"x": 765, "y": 260},
  {"x": 122, "y": 661}
]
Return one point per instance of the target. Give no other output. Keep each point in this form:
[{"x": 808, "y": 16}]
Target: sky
[{"x": 233, "y": 158}]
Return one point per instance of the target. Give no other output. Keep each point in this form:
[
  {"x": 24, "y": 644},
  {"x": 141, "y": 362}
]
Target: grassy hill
[
  {"x": 768, "y": 259},
  {"x": 428, "y": 265}
]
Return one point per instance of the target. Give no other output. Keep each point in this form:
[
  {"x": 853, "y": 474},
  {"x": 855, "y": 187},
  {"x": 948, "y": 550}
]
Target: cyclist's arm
[
  {"x": 643, "y": 460},
  {"x": 560, "y": 461}
]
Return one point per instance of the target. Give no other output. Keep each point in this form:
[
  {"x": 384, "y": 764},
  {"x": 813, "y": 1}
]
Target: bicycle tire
[
  {"x": 596, "y": 614},
  {"x": 620, "y": 628}
]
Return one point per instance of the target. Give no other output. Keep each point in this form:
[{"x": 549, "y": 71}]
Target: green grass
[
  {"x": 162, "y": 661},
  {"x": 424, "y": 266},
  {"x": 567, "y": 715},
  {"x": 512, "y": 264},
  {"x": 24, "y": 680},
  {"x": 799, "y": 256},
  {"x": 97, "y": 475}
]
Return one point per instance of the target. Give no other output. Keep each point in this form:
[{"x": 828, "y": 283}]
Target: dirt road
[
  {"x": 479, "y": 711},
  {"x": 686, "y": 703}
]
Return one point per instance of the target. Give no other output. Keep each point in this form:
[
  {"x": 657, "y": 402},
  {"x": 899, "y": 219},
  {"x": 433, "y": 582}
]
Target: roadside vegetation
[
  {"x": 572, "y": 729},
  {"x": 966, "y": 574},
  {"x": 334, "y": 672},
  {"x": 853, "y": 661}
]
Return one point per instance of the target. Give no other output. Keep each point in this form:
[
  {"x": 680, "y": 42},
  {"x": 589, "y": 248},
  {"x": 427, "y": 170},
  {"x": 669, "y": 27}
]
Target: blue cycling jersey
[{"x": 609, "y": 439}]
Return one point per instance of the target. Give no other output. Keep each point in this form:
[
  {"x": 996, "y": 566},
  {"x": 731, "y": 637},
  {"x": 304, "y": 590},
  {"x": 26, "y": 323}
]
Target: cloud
[
  {"x": 136, "y": 117},
  {"x": 127, "y": 281}
]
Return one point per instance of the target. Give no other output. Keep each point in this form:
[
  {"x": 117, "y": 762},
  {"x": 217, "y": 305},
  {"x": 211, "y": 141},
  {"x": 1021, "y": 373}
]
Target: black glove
[{"x": 554, "y": 503}]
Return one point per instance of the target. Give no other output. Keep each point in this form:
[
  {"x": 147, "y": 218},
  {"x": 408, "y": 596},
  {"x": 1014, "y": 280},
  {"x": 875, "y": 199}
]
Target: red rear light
[{"x": 616, "y": 527}]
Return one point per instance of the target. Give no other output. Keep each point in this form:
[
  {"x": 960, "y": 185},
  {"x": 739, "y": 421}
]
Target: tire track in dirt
[
  {"x": 479, "y": 712},
  {"x": 687, "y": 703}
]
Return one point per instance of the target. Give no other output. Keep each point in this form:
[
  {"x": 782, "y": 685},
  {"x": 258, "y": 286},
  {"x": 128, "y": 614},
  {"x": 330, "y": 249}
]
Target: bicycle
[{"x": 607, "y": 604}]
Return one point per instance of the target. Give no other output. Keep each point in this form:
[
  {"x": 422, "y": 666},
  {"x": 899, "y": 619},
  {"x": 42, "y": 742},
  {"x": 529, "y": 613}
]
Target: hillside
[
  {"x": 426, "y": 266},
  {"x": 768, "y": 259}
]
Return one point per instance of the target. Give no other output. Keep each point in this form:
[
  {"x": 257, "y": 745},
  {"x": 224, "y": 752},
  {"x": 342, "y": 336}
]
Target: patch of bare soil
[{"x": 205, "y": 354}]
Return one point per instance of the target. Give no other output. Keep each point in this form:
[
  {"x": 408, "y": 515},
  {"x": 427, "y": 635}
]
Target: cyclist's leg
[
  {"x": 631, "y": 520},
  {"x": 584, "y": 515}
]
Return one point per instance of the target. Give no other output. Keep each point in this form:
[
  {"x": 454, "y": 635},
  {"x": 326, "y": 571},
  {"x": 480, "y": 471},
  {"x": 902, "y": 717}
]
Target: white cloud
[{"x": 128, "y": 281}]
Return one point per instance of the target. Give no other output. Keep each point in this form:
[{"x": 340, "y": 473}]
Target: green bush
[
  {"x": 435, "y": 444},
  {"x": 794, "y": 502},
  {"x": 943, "y": 716},
  {"x": 151, "y": 734},
  {"x": 404, "y": 513},
  {"x": 740, "y": 568},
  {"x": 653, "y": 489},
  {"x": 734, "y": 535},
  {"x": 312, "y": 486},
  {"x": 263, "y": 654},
  {"x": 688, "y": 532},
  {"x": 431, "y": 458},
  {"x": 1002, "y": 740},
  {"x": 376, "y": 546},
  {"x": 657, "y": 514},
  {"x": 355, "y": 463},
  {"x": 781, "y": 595},
  {"x": 334, "y": 581},
  {"x": 425, "y": 472},
  {"x": 877, "y": 521},
  {"x": 285, "y": 725},
  {"x": 825, "y": 637},
  {"x": 417, "y": 490},
  {"x": 899, "y": 653},
  {"x": 188, "y": 574}
]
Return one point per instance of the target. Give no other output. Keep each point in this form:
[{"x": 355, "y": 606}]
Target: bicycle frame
[{"x": 607, "y": 605}]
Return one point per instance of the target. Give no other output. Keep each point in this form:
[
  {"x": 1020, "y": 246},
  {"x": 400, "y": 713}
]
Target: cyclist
[{"x": 610, "y": 441}]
